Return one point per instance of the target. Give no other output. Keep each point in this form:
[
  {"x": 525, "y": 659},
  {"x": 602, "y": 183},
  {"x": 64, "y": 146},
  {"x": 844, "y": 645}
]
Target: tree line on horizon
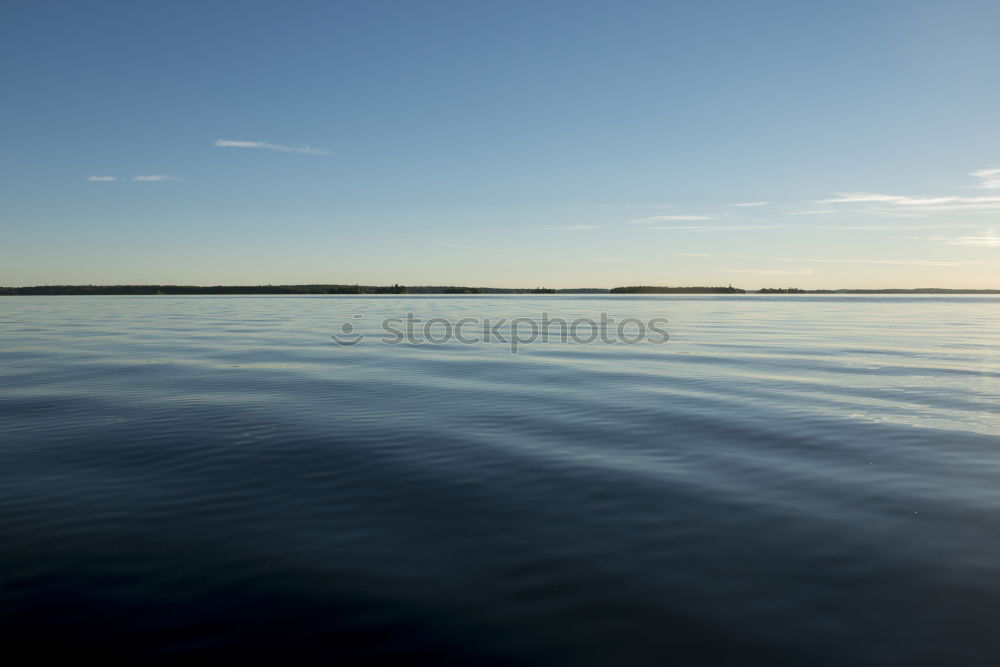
[
  {"x": 650, "y": 289},
  {"x": 180, "y": 290},
  {"x": 177, "y": 290}
]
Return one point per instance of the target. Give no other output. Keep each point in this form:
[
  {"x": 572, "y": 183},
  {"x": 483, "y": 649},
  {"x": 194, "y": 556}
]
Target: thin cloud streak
[
  {"x": 902, "y": 200},
  {"x": 771, "y": 272},
  {"x": 152, "y": 178},
  {"x": 144, "y": 178},
  {"x": 893, "y": 262},
  {"x": 985, "y": 205},
  {"x": 461, "y": 246},
  {"x": 839, "y": 260},
  {"x": 892, "y": 213},
  {"x": 749, "y": 204},
  {"x": 678, "y": 218},
  {"x": 810, "y": 211},
  {"x": 304, "y": 150},
  {"x": 715, "y": 228},
  {"x": 896, "y": 228},
  {"x": 989, "y": 178},
  {"x": 981, "y": 241}
]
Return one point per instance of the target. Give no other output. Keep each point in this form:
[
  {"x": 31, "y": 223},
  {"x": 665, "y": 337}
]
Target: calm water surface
[{"x": 789, "y": 480}]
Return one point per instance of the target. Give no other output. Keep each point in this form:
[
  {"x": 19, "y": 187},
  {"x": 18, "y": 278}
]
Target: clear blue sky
[{"x": 501, "y": 143}]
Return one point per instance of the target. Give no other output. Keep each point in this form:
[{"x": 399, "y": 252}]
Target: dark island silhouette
[
  {"x": 181, "y": 290},
  {"x": 648, "y": 289},
  {"x": 891, "y": 290}
]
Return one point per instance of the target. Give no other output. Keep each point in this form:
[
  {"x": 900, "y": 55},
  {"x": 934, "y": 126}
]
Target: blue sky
[{"x": 501, "y": 143}]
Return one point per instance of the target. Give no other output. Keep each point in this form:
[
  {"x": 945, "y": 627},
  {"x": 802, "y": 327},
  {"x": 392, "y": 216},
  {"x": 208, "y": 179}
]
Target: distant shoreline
[{"x": 235, "y": 290}]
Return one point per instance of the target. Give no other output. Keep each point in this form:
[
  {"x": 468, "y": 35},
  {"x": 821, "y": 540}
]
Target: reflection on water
[{"x": 788, "y": 480}]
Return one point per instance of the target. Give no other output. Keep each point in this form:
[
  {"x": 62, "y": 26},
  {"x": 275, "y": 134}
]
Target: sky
[{"x": 513, "y": 144}]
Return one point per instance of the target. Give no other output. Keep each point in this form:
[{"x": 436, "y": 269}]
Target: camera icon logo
[{"x": 347, "y": 336}]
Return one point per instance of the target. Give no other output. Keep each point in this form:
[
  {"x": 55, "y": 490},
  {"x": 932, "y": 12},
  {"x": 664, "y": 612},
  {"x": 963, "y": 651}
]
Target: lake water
[{"x": 788, "y": 480}]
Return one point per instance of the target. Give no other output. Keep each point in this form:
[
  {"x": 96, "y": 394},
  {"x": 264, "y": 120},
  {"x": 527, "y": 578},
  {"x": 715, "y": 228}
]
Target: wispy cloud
[
  {"x": 749, "y": 204},
  {"x": 988, "y": 178},
  {"x": 607, "y": 259},
  {"x": 152, "y": 178},
  {"x": 714, "y": 228},
  {"x": 893, "y": 262},
  {"x": 848, "y": 260},
  {"x": 145, "y": 178},
  {"x": 952, "y": 203},
  {"x": 571, "y": 228},
  {"x": 895, "y": 227},
  {"x": 901, "y": 200},
  {"x": 903, "y": 207},
  {"x": 772, "y": 272},
  {"x": 894, "y": 213},
  {"x": 305, "y": 150},
  {"x": 810, "y": 211},
  {"x": 990, "y": 241},
  {"x": 462, "y": 246},
  {"x": 675, "y": 218},
  {"x": 861, "y": 198}
]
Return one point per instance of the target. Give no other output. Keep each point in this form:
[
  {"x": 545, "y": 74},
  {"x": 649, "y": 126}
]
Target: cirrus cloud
[
  {"x": 989, "y": 179},
  {"x": 772, "y": 272},
  {"x": 153, "y": 178},
  {"x": 143, "y": 178},
  {"x": 674, "y": 218},
  {"x": 990, "y": 241},
  {"x": 305, "y": 150}
]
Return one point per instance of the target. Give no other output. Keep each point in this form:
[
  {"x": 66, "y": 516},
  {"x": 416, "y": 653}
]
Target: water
[{"x": 788, "y": 480}]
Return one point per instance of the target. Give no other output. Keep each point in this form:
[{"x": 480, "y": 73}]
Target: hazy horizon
[{"x": 501, "y": 287}]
